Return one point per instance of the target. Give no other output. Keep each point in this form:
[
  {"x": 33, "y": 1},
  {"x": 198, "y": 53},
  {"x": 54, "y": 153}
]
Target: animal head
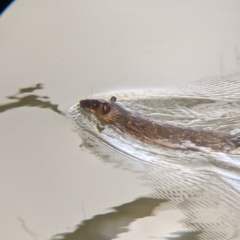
[{"x": 100, "y": 108}]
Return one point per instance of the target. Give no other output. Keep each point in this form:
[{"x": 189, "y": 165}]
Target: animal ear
[
  {"x": 113, "y": 99},
  {"x": 106, "y": 108}
]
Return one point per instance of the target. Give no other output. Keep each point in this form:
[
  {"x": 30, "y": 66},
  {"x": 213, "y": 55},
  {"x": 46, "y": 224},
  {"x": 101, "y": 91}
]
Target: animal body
[{"x": 113, "y": 113}]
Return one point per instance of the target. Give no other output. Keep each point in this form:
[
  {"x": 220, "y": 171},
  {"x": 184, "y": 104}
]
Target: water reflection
[
  {"x": 108, "y": 226},
  {"x": 185, "y": 236},
  {"x": 29, "y": 100}
]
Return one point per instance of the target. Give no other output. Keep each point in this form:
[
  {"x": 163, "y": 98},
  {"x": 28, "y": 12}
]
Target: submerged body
[{"x": 158, "y": 133}]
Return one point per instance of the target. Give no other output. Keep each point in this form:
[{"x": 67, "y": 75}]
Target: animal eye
[{"x": 94, "y": 105}]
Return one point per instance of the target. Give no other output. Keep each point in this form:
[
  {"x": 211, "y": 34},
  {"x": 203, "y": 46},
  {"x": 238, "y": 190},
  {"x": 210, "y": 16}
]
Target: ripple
[{"x": 204, "y": 186}]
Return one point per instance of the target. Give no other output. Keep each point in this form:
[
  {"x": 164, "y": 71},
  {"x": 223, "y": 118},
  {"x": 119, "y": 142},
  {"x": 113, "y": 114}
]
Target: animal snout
[{"x": 84, "y": 104}]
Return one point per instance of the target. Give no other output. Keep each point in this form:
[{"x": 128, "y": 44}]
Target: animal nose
[{"x": 84, "y": 103}]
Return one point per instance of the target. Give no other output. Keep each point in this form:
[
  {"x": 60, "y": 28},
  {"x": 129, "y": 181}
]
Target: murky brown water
[{"x": 102, "y": 185}]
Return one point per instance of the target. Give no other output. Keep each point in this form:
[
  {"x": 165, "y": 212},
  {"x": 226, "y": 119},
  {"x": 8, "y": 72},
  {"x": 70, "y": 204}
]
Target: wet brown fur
[{"x": 144, "y": 129}]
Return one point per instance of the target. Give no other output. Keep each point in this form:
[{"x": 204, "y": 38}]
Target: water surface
[
  {"x": 203, "y": 186},
  {"x": 55, "y": 183}
]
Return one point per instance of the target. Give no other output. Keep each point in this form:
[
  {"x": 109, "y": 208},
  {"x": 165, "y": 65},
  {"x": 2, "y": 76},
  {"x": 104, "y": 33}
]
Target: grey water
[
  {"x": 204, "y": 187},
  {"x": 66, "y": 176}
]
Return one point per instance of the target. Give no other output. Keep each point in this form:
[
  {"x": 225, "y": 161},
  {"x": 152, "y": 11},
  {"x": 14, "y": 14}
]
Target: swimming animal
[{"x": 113, "y": 113}]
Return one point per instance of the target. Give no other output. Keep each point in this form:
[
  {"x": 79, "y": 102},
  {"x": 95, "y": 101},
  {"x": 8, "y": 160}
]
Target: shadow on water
[
  {"x": 29, "y": 100},
  {"x": 108, "y": 226}
]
